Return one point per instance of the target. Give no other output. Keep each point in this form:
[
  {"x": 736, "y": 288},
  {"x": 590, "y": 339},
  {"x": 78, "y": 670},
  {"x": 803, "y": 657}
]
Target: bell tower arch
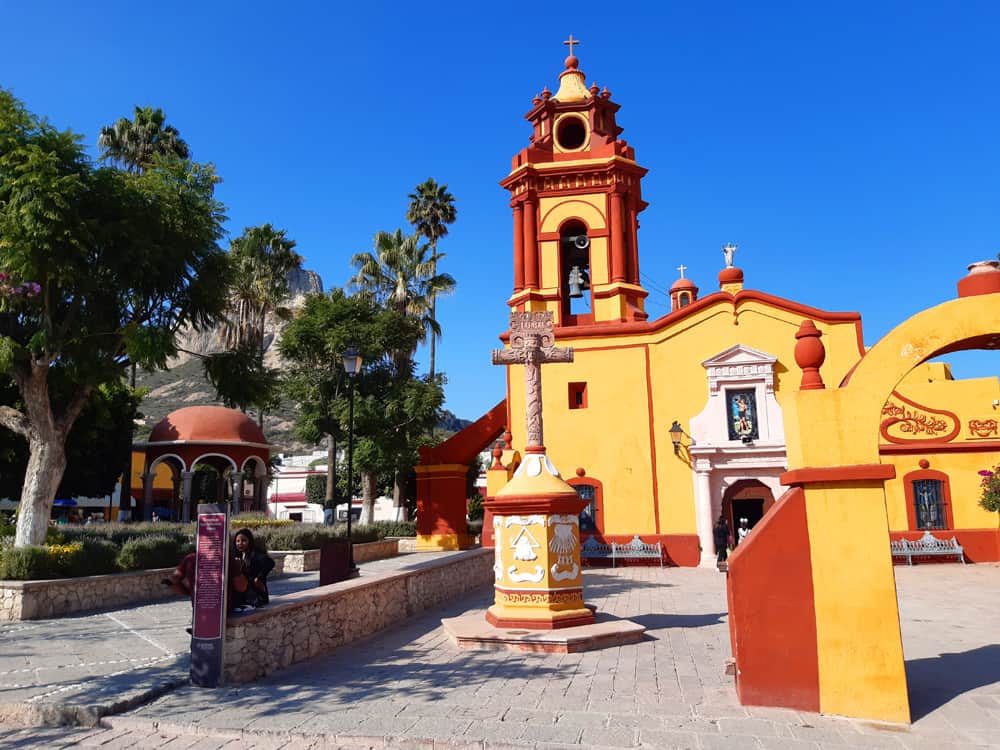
[{"x": 576, "y": 197}]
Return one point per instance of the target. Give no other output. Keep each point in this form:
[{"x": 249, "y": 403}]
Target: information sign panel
[{"x": 211, "y": 569}]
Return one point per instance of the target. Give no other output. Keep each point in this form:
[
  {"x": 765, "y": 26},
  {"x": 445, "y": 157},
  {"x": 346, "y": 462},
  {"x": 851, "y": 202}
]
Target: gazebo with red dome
[{"x": 225, "y": 439}]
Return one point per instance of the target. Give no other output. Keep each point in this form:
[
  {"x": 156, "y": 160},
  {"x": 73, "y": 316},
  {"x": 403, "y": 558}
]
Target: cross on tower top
[
  {"x": 571, "y": 41},
  {"x": 682, "y": 268}
]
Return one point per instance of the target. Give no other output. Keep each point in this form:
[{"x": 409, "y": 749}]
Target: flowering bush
[
  {"x": 13, "y": 290},
  {"x": 990, "y": 497}
]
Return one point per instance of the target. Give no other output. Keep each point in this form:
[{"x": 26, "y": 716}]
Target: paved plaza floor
[{"x": 409, "y": 687}]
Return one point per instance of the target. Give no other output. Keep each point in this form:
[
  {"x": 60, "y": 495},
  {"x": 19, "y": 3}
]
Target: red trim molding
[
  {"x": 979, "y": 446},
  {"x": 826, "y": 474}
]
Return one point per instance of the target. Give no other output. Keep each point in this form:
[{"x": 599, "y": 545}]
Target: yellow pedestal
[{"x": 538, "y": 579}]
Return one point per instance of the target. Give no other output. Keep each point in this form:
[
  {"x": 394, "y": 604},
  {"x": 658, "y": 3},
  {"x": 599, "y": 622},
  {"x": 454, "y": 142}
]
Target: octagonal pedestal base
[{"x": 471, "y": 632}]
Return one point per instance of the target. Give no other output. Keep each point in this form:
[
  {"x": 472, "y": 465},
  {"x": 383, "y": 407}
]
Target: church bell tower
[{"x": 575, "y": 192}]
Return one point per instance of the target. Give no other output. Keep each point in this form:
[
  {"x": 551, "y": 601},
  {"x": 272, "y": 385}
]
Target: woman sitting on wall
[{"x": 248, "y": 573}]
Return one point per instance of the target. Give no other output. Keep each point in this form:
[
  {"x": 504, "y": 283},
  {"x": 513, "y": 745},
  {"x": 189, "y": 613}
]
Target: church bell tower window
[{"x": 574, "y": 255}]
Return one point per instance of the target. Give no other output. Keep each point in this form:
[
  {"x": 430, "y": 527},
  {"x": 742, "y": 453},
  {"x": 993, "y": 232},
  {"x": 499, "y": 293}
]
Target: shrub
[
  {"x": 32, "y": 563},
  {"x": 151, "y": 552},
  {"x": 989, "y": 498},
  {"x": 98, "y": 557},
  {"x": 476, "y": 527},
  {"x": 396, "y": 528},
  {"x": 475, "y": 507},
  {"x": 316, "y": 489}
]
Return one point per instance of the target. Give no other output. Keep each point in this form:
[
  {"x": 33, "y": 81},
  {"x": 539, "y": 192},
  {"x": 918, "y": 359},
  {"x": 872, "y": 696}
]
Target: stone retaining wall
[
  {"x": 300, "y": 561},
  {"x": 310, "y": 623},
  {"x": 39, "y": 600}
]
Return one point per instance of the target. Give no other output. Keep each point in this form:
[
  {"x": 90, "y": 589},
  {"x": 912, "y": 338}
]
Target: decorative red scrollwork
[
  {"x": 983, "y": 427},
  {"x": 910, "y": 422}
]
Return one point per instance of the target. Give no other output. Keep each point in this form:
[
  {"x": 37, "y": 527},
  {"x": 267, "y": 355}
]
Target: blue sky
[{"x": 852, "y": 150}]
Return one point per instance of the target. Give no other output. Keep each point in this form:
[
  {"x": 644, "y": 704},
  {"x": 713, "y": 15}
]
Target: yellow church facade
[{"x": 665, "y": 425}]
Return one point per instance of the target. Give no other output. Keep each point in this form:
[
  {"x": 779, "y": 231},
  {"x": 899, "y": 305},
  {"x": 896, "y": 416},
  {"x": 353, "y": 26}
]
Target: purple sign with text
[{"x": 209, "y": 596}]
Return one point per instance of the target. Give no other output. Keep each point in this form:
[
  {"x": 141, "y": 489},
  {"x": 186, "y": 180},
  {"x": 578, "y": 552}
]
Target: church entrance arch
[{"x": 746, "y": 498}]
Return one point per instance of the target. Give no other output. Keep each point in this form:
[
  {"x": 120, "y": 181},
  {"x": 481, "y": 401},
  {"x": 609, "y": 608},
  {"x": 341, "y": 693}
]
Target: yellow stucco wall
[
  {"x": 972, "y": 399},
  {"x": 611, "y": 438}
]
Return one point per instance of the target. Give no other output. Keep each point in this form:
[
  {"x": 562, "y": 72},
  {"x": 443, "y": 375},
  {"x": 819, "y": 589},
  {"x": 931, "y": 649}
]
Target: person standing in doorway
[
  {"x": 721, "y": 536},
  {"x": 742, "y": 530}
]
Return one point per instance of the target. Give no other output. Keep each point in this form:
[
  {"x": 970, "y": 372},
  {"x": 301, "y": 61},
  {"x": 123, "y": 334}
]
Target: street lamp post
[{"x": 352, "y": 364}]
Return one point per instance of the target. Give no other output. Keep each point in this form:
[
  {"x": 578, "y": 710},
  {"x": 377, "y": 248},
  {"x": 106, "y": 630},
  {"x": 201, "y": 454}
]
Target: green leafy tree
[
  {"x": 312, "y": 345},
  {"x": 135, "y": 144},
  {"x": 399, "y": 274},
  {"x": 431, "y": 210},
  {"x": 122, "y": 260},
  {"x": 260, "y": 260},
  {"x": 396, "y": 413},
  {"x": 93, "y": 447}
]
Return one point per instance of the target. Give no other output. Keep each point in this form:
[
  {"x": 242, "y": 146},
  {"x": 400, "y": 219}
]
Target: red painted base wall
[
  {"x": 980, "y": 545},
  {"x": 772, "y": 617}
]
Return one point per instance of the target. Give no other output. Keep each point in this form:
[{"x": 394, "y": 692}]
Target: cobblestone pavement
[{"x": 410, "y": 688}]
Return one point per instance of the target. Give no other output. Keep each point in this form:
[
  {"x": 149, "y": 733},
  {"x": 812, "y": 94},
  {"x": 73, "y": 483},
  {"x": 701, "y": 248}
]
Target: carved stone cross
[{"x": 532, "y": 344}]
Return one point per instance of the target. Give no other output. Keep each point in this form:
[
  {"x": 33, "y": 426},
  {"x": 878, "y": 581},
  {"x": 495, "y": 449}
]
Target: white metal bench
[
  {"x": 928, "y": 545},
  {"x": 634, "y": 549}
]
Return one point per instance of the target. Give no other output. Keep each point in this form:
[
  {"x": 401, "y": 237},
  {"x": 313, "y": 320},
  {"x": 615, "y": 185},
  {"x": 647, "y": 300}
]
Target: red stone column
[
  {"x": 617, "y": 238},
  {"x": 530, "y": 245},
  {"x": 441, "y": 507},
  {"x": 518, "y": 247},
  {"x": 633, "y": 226}
]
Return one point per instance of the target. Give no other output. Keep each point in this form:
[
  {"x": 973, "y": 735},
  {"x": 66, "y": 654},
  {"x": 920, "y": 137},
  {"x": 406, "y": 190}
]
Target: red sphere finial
[{"x": 572, "y": 62}]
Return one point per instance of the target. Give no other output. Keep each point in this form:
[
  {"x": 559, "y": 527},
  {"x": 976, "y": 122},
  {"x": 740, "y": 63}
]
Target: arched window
[
  {"x": 592, "y": 515},
  {"x": 574, "y": 268},
  {"x": 928, "y": 500}
]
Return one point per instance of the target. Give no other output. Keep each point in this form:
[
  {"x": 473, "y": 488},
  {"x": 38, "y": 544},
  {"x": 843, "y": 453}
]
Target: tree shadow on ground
[
  {"x": 934, "y": 681},
  {"x": 663, "y": 621}
]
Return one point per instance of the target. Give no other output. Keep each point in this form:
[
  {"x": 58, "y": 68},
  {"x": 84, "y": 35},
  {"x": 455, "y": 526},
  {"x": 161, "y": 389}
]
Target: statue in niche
[{"x": 742, "y": 412}]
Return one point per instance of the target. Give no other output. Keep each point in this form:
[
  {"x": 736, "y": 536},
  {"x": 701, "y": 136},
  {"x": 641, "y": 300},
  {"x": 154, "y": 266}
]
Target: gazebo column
[
  {"x": 146, "y": 511},
  {"x": 236, "y": 482},
  {"x": 703, "y": 511},
  {"x": 186, "y": 477}
]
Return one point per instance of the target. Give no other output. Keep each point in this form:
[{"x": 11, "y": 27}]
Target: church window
[
  {"x": 685, "y": 299},
  {"x": 577, "y": 395},
  {"x": 588, "y": 516},
  {"x": 928, "y": 500},
  {"x": 741, "y": 413}
]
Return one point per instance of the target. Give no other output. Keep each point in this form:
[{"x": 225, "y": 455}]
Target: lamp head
[
  {"x": 352, "y": 361},
  {"x": 676, "y": 433}
]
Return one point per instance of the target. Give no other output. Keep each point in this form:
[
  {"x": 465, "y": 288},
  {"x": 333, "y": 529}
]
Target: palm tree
[
  {"x": 134, "y": 143},
  {"x": 260, "y": 260},
  {"x": 431, "y": 210},
  {"x": 399, "y": 274}
]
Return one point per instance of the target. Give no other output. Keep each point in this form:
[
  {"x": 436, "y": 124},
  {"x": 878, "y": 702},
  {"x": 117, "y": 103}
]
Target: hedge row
[
  {"x": 73, "y": 551},
  {"x": 90, "y": 556}
]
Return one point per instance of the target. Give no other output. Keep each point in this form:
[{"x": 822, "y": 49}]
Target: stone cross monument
[
  {"x": 536, "y": 525},
  {"x": 532, "y": 344}
]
